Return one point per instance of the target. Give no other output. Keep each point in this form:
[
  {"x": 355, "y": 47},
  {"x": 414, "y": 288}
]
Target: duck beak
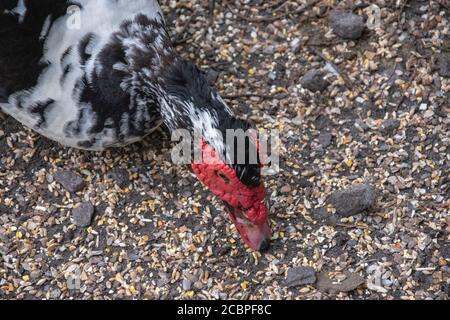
[{"x": 256, "y": 236}]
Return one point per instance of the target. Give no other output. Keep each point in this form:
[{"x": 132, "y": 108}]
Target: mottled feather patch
[
  {"x": 40, "y": 109},
  {"x": 65, "y": 73},
  {"x": 85, "y": 48},
  {"x": 65, "y": 55}
]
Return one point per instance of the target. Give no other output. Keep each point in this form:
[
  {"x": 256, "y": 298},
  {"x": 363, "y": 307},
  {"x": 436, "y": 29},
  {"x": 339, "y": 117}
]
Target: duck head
[
  {"x": 229, "y": 169},
  {"x": 242, "y": 190}
]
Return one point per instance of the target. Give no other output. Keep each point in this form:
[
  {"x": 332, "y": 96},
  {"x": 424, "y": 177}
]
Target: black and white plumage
[
  {"x": 93, "y": 74},
  {"x": 108, "y": 83},
  {"x": 83, "y": 86}
]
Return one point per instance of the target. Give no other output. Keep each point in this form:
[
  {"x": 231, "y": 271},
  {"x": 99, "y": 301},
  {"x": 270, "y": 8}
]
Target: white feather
[
  {"x": 45, "y": 28},
  {"x": 21, "y": 10}
]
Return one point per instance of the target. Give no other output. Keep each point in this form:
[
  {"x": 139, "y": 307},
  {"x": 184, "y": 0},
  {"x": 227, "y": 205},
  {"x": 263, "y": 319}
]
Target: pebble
[
  {"x": 428, "y": 114},
  {"x": 35, "y": 275},
  {"x": 351, "y": 282},
  {"x": 314, "y": 80},
  {"x": 198, "y": 285},
  {"x": 390, "y": 124},
  {"x": 120, "y": 177},
  {"x": 55, "y": 293},
  {"x": 132, "y": 256},
  {"x": 361, "y": 125},
  {"x": 303, "y": 183},
  {"x": 353, "y": 200},
  {"x": 70, "y": 181},
  {"x": 386, "y": 282},
  {"x": 444, "y": 65},
  {"x": 300, "y": 276},
  {"x": 446, "y": 289},
  {"x": 346, "y": 25},
  {"x": 325, "y": 139},
  {"x": 269, "y": 50},
  {"x": 212, "y": 76},
  {"x": 423, "y": 107},
  {"x": 286, "y": 189},
  {"x": 296, "y": 45},
  {"x": 82, "y": 214},
  {"x": 272, "y": 76},
  {"x": 187, "y": 284},
  {"x": 446, "y": 251}
]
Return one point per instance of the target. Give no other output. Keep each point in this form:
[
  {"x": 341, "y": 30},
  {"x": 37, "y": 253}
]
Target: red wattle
[{"x": 223, "y": 182}]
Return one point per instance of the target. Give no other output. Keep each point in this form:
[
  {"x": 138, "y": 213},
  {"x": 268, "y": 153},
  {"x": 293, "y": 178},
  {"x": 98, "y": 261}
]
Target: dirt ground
[{"x": 381, "y": 119}]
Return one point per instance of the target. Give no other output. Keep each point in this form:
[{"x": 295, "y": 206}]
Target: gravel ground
[{"x": 360, "y": 208}]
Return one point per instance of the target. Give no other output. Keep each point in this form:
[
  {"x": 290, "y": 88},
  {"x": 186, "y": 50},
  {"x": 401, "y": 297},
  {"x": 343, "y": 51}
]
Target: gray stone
[
  {"x": 163, "y": 279},
  {"x": 325, "y": 139},
  {"x": 83, "y": 214},
  {"x": 302, "y": 182},
  {"x": 362, "y": 125},
  {"x": 69, "y": 180},
  {"x": 269, "y": 50},
  {"x": 314, "y": 80},
  {"x": 198, "y": 285},
  {"x": 272, "y": 76},
  {"x": 186, "y": 194},
  {"x": 384, "y": 147},
  {"x": 300, "y": 276},
  {"x": 320, "y": 214},
  {"x": 296, "y": 45},
  {"x": 346, "y": 25},
  {"x": 35, "y": 275},
  {"x": 325, "y": 284},
  {"x": 390, "y": 124},
  {"x": 444, "y": 65},
  {"x": 120, "y": 176},
  {"x": 212, "y": 76},
  {"x": 132, "y": 256},
  {"x": 353, "y": 200},
  {"x": 55, "y": 293},
  {"x": 187, "y": 284},
  {"x": 445, "y": 250}
]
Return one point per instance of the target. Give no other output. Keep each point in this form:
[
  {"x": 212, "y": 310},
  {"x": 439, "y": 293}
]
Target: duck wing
[{"x": 58, "y": 70}]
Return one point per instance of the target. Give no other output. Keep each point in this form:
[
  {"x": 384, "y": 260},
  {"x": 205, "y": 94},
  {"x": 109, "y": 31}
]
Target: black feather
[
  {"x": 20, "y": 45},
  {"x": 249, "y": 172}
]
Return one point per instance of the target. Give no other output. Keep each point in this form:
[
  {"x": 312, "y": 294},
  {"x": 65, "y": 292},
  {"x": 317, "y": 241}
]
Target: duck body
[
  {"x": 66, "y": 69},
  {"x": 94, "y": 74}
]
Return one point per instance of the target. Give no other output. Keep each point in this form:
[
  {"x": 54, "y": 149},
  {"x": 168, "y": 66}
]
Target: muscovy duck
[{"x": 94, "y": 74}]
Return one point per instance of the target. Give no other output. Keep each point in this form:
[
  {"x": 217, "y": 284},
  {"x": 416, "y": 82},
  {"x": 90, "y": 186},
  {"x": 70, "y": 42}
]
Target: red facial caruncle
[{"x": 246, "y": 206}]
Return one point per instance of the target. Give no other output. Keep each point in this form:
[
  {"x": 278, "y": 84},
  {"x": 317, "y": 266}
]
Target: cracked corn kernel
[
  {"x": 346, "y": 140},
  {"x": 349, "y": 163}
]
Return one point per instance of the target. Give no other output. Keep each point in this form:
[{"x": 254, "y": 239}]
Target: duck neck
[
  {"x": 188, "y": 102},
  {"x": 177, "y": 87}
]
